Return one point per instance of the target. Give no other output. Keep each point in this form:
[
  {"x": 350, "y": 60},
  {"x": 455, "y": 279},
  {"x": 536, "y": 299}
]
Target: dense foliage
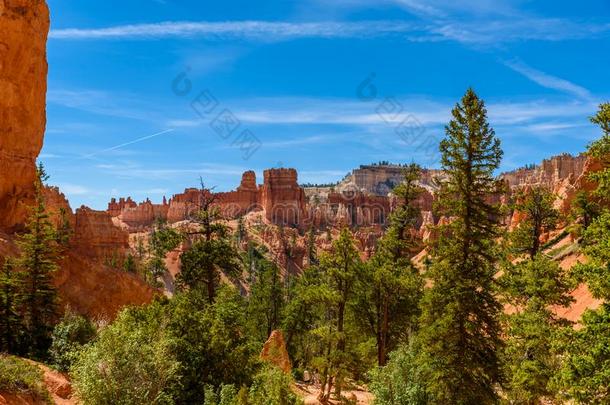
[
  {"x": 69, "y": 336},
  {"x": 473, "y": 322},
  {"x": 17, "y": 376}
]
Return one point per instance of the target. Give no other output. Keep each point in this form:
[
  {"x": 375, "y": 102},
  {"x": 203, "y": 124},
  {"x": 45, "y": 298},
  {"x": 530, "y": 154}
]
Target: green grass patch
[{"x": 17, "y": 376}]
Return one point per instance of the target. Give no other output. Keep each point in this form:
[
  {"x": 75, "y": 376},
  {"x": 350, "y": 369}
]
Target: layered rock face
[
  {"x": 243, "y": 200},
  {"x": 380, "y": 180},
  {"x": 96, "y": 237},
  {"x": 91, "y": 288},
  {"x": 360, "y": 200},
  {"x": 564, "y": 175},
  {"x": 281, "y": 197},
  {"x": 551, "y": 173},
  {"x": 24, "y": 25}
]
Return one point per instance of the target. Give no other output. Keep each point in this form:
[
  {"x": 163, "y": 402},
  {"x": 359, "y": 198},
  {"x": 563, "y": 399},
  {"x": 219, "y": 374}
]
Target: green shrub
[
  {"x": 272, "y": 386},
  {"x": 400, "y": 381},
  {"x": 17, "y": 376},
  {"x": 68, "y": 337},
  {"x": 228, "y": 395},
  {"x": 130, "y": 362}
]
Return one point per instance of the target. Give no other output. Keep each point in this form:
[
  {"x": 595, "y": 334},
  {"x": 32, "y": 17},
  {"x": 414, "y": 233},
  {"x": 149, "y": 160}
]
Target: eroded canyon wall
[{"x": 24, "y": 26}]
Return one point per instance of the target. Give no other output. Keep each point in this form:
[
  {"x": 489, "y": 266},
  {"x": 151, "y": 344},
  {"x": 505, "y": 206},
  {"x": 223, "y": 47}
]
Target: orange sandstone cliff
[
  {"x": 24, "y": 25},
  {"x": 83, "y": 280}
]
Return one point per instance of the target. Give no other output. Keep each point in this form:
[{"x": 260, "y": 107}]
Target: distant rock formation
[
  {"x": 24, "y": 25},
  {"x": 282, "y": 198}
]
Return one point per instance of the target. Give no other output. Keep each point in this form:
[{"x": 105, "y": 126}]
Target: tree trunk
[{"x": 384, "y": 333}]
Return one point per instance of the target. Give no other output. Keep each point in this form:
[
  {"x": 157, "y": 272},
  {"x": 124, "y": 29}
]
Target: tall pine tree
[
  {"x": 340, "y": 268},
  {"x": 37, "y": 263},
  {"x": 390, "y": 287},
  {"x": 460, "y": 334}
]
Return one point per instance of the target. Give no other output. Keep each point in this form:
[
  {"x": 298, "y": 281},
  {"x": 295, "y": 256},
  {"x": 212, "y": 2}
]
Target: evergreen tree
[
  {"x": 211, "y": 252},
  {"x": 10, "y": 321},
  {"x": 37, "y": 263},
  {"x": 540, "y": 216},
  {"x": 267, "y": 299},
  {"x": 161, "y": 240},
  {"x": 585, "y": 376},
  {"x": 303, "y": 314},
  {"x": 388, "y": 295},
  {"x": 241, "y": 232},
  {"x": 407, "y": 213},
  {"x": 203, "y": 262},
  {"x": 390, "y": 287},
  {"x": 64, "y": 228},
  {"x": 341, "y": 268},
  {"x": 600, "y": 150},
  {"x": 460, "y": 335},
  {"x": 312, "y": 255},
  {"x": 532, "y": 288},
  {"x": 130, "y": 264},
  {"x": 584, "y": 209}
]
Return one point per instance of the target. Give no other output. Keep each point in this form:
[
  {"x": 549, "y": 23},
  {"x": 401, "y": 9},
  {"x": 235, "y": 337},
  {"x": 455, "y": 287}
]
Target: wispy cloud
[
  {"x": 102, "y": 103},
  {"x": 548, "y": 81},
  {"x": 208, "y": 170},
  {"x": 257, "y": 30},
  {"x": 430, "y": 112},
  {"x": 431, "y": 28}
]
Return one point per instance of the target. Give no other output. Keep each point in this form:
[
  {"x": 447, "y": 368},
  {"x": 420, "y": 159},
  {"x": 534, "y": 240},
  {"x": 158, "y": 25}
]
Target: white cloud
[
  {"x": 258, "y": 30},
  {"x": 210, "y": 170},
  {"x": 434, "y": 27},
  {"x": 549, "y": 81}
]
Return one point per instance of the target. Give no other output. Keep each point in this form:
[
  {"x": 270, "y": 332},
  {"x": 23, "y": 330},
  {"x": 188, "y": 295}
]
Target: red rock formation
[
  {"x": 144, "y": 214},
  {"x": 563, "y": 175},
  {"x": 274, "y": 351},
  {"x": 281, "y": 197},
  {"x": 24, "y": 25},
  {"x": 91, "y": 288},
  {"x": 245, "y": 199},
  {"x": 96, "y": 237},
  {"x": 115, "y": 208},
  {"x": 55, "y": 203},
  {"x": 83, "y": 282}
]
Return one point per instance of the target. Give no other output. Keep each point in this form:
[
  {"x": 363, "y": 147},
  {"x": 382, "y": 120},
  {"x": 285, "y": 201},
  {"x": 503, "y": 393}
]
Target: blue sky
[{"x": 145, "y": 96}]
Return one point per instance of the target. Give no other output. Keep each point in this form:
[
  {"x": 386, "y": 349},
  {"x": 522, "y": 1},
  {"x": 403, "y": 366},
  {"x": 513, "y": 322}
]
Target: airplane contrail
[{"x": 126, "y": 144}]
